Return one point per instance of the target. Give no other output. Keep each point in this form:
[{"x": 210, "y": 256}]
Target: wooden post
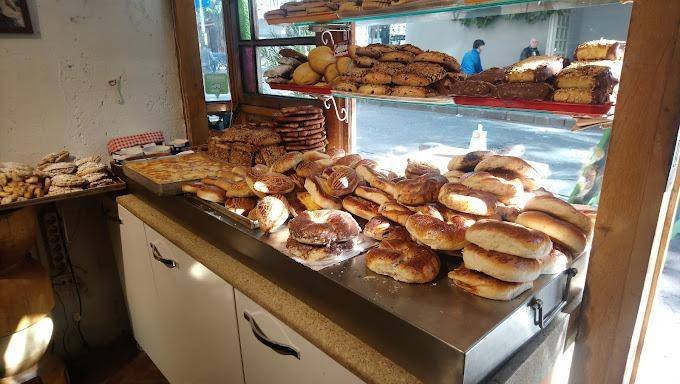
[{"x": 634, "y": 194}]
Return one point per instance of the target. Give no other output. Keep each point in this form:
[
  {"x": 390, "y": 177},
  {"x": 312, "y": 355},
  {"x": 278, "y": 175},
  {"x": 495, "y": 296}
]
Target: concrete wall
[
  {"x": 504, "y": 39},
  {"x": 54, "y": 90},
  {"x": 54, "y": 94}
]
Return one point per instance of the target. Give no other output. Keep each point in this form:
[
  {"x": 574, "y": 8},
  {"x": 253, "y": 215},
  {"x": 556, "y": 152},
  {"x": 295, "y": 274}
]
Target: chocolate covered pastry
[
  {"x": 473, "y": 88},
  {"x": 524, "y": 91},
  {"x": 492, "y": 75},
  {"x": 535, "y": 69}
]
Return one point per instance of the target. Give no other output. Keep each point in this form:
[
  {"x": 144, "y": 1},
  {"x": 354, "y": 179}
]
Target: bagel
[
  {"x": 561, "y": 210},
  {"x": 469, "y": 219},
  {"x": 234, "y": 189},
  {"x": 454, "y": 176},
  {"x": 376, "y": 179},
  {"x": 272, "y": 212},
  {"x": 308, "y": 168},
  {"x": 513, "y": 239},
  {"x": 564, "y": 232},
  {"x": 240, "y": 205},
  {"x": 557, "y": 261},
  {"x": 486, "y": 286},
  {"x": 314, "y": 155},
  {"x": 436, "y": 233},
  {"x": 348, "y": 160},
  {"x": 342, "y": 181},
  {"x": 430, "y": 209},
  {"x": 367, "y": 163},
  {"x": 373, "y": 194},
  {"x": 324, "y": 226},
  {"x": 360, "y": 207},
  {"x": 380, "y": 228},
  {"x": 404, "y": 261},
  {"x": 464, "y": 199},
  {"x": 230, "y": 175},
  {"x": 269, "y": 183},
  {"x": 415, "y": 168},
  {"x": 315, "y": 186},
  {"x": 468, "y": 161},
  {"x": 510, "y": 163},
  {"x": 395, "y": 212},
  {"x": 312, "y": 253},
  {"x": 503, "y": 189},
  {"x": 420, "y": 190},
  {"x": 529, "y": 184},
  {"x": 211, "y": 193},
  {"x": 287, "y": 162},
  {"x": 336, "y": 153},
  {"x": 513, "y": 269}
]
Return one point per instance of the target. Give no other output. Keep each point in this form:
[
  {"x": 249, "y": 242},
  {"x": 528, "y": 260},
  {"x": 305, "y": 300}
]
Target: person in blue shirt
[{"x": 472, "y": 63}]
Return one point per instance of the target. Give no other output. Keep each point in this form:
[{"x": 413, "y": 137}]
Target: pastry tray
[
  {"x": 118, "y": 185},
  {"x": 536, "y": 105},
  {"x": 436, "y": 100},
  {"x": 309, "y": 89},
  {"x": 220, "y": 212}
]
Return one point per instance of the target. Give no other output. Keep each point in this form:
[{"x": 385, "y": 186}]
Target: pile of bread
[
  {"x": 301, "y": 128},
  {"x": 398, "y": 70},
  {"x": 289, "y": 59},
  {"x": 302, "y": 8},
  {"x": 321, "y": 68},
  {"x": 247, "y": 144},
  {"x": 590, "y": 79},
  {"x": 56, "y": 173}
]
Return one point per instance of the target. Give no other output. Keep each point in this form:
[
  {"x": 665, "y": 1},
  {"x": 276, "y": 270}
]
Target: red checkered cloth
[{"x": 134, "y": 140}]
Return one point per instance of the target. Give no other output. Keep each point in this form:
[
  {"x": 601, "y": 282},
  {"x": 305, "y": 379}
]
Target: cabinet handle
[
  {"x": 157, "y": 255},
  {"x": 277, "y": 347}
]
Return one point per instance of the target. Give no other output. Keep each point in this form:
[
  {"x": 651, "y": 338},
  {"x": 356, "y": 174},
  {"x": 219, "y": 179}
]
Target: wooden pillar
[{"x": 634, "y": 194}]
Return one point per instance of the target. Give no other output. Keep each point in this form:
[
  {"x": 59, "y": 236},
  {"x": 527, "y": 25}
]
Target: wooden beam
[
  {"x": 190, "y": 72},
  {"x": 634, "y": 195}
]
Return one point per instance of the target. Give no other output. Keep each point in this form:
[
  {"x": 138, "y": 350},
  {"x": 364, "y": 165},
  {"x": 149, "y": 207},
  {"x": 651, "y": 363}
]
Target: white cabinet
[{"x": 274, "y": 353}]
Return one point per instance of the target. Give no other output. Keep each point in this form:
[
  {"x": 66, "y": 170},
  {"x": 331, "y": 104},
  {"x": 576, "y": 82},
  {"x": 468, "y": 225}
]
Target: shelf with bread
[
  {"x": 585, "y": 87},
  {"x": 308, "y": 12}
]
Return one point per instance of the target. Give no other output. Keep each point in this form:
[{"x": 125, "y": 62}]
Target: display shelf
[
  {"x": 308, "y": 89},
  {"x": 467, "y": 8},
  {"x": 437, "y": 100},
  {"x": 118, "y": 185},
  {"x": 571, "y": 109}
]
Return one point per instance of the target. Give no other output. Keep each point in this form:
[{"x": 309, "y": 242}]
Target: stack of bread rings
[
  {"x": 487, "y": 207},
  {"x": 398, "y": 70}
]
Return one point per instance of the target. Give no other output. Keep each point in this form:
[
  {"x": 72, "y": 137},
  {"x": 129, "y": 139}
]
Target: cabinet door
[
  {"x": 199, "y": 317},
  {"x": 138, "y": 284},
  {"x": 274, "y": 353}
]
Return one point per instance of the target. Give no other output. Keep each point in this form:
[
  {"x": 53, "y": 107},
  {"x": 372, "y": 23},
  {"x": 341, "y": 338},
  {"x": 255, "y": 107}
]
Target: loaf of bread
[
  {"x": 600, "y": 50},
  {"x": 535, "y": 69},
  {"x": 473, "y": 88},
  {"x": 582, "y": 96},
  {"x": 524, "y": 91},
  {"x": 492, "y": 75},
  {"x": 586, "y": 76}
]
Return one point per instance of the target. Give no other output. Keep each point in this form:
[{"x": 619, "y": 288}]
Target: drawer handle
[
  {"x": 537, "y": 304},
  {"x": 157, "y": 255},
  {"x": 277, "y": 347}
]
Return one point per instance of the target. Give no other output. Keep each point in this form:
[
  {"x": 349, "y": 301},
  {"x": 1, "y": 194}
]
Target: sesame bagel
[
  {"x": 500, "y": 265},
  {"x": 464, "y": 199},
  {"x": 436, "y": 233},
  {"x": 324, "y": 226},
  {"x": 510, "y": 238},
  {"x": 404, "y": 261},
  {"x": 564, "y": 232},
  {"x": 486, "y": 286}
]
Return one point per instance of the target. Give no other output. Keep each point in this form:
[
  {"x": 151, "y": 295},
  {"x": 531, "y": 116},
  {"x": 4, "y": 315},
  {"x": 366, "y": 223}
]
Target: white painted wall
[
  {"x": 54, "y": 90},
  {"x": 504, "y": 39}
]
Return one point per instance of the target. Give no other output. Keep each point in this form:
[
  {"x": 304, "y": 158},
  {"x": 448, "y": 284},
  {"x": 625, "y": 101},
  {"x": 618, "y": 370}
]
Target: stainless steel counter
[{"x": 436, "y": 331}]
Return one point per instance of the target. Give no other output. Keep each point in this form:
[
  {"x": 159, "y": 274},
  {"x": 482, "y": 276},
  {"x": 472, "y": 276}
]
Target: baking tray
[
  {"x": 118, "y": 185},
  {"x": 222, "y": 211},
  {"x": 301, "y": 88},
  {"x": 590, "y": 110}
]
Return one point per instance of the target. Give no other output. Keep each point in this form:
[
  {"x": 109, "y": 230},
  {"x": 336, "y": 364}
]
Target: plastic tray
[{"x": 550, "y": 106}]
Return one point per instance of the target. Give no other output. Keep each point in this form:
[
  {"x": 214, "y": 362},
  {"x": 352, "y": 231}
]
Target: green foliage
[{"x": 527, "y": 18}]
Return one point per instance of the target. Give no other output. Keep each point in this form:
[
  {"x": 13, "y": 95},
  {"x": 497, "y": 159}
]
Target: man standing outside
[
  {"x": 472, "y": 62},
  {"x": 531, "y": 50}
]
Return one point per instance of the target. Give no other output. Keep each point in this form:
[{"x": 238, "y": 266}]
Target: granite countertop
[{"x": 343, "y": 347}]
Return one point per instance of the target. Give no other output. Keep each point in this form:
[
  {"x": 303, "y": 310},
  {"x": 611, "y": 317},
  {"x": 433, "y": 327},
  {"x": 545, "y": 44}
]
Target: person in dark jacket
[
  {"x": 531, "y": 50},
  {"x": 472, "y": 62}
]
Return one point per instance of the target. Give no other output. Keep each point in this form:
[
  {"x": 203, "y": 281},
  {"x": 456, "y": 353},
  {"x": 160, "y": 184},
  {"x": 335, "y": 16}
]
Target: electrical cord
[{"x": 66, "y": 321}]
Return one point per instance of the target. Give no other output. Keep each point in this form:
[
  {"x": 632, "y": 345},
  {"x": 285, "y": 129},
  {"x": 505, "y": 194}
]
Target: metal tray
[
  {"x": 222, "y": 213},
  {"x": 118, "y": 185}
]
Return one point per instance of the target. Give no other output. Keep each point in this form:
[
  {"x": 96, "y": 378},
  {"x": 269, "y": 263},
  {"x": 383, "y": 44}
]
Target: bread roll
[
  {"x": 308, "y": 168},
  {"x": 395, "y": 212},
  {"x": 557, "y": 261},
  {"x": 234, "y": 189},
  {"x": 348, "y": 160},
  {"x": 468, "y": 161},
  {"x": 306, "y": 199},
  {"x": 270, "y": 183},
  {"x": 486, "y": 286},
  {"x": 324, "y": 226},
  {"x": 211, "y": 193},
  {"x": 415, "y": 168},
  {"x": 373, "y": 194},
  {"x": 314, "y": 156},
  {"x": 305, "y": 75},
  {"x": 314, "y": 185},
  {"x": 560, "y": 230},
  {"x": 342, "y": 181},
  {"x": 502, "y": 266},
  {"x": 529, "y": 184},
  {"x": 272, "y": 212},
  {"x": 287, "y": 162},
  {"x": 503, "y": 189},
  {"x": 320, "y": 58},
  {"x": 312, "y": 253},
  {"x": 510, "y": 163},
  {"x": 240, "y": 205},
  {"x": 192, "y": 187},
  {"x": 376, "y": 179},
  {"x": 419, "y": 190},
  {"x": 510, "y": 238},
  {"x": 404, "y": 261},
  {"x": 360, "y": 207},
  {"x": 435, "y": 233},
  {"x": 464, "y": 199},
  {"x": 380, "y": 228},
  {"x": 431, "y": 209},
  {"x": 562, "y": 210},
  {"x": 454, "y": 176}
]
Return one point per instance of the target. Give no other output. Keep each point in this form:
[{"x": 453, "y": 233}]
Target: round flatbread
[
  {"x": 302, "y": 133},
  {"x": 306, "y": 123},
  {"x": 314, "y": 147},
  {"x": 284, "y": 130},
  {"x": 293, "y": 119},
  {"x": 304, "y": 110},
  {"x": 307, "y": 141}
]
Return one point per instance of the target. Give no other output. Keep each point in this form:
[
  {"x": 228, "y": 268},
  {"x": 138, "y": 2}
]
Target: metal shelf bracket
[{"x": 329, "y": 100}]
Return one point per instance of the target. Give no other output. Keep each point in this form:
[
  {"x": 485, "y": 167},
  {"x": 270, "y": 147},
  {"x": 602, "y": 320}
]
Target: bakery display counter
[{"x": 466, "y": 338}]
